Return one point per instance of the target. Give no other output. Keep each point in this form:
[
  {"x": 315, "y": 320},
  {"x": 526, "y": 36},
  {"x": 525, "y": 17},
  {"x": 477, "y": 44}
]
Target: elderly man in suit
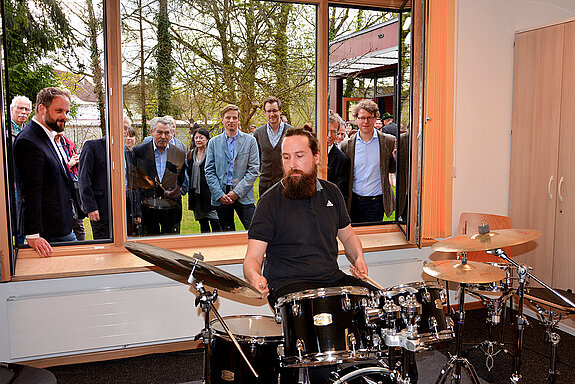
[
  {"x": 46, "y": 201},
  {"x": 232, "y": 163},
  {"x": 161, "y": 167},
  {"x": 93, "y": 186},
  {"x": 370, "y": 192}
]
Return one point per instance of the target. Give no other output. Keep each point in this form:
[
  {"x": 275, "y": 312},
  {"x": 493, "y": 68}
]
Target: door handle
[
  {"x": 559, "y": 189},
  {"x": 549, "y": 188}
]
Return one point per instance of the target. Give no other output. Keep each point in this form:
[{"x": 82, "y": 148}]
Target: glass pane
[
  {"x": 364, "y": 73},
  {"x": 59, "y": 143},
  {"x": 185, "y": 61}
]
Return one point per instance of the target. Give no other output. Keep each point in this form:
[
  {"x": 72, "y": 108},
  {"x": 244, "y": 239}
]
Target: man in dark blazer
[
  {"x": 338, "y": 163},
  {"x": 269, "y": 137},
  {"x": 160, "y": 173},
  {"x": 370, "y": 192},
  {"x": 93, "y": 186},
  {"x": 46, "y": 202}
]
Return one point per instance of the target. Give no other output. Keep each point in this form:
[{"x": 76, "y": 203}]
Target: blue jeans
[{"x": 58, "y": 239}]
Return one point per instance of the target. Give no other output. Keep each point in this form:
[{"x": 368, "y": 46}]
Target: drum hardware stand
[
  {"x": 206, "y": 299},
  {"x": 494, "y": 309},
  {"x": 456, "y": 362},
  {"x": 522, "y": 274},
  {"x": 550, "y": 318}
]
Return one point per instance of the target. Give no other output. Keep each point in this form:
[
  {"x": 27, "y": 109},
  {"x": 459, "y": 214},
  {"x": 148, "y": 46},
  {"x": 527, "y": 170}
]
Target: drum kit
[{"x": 362, "y": 335}]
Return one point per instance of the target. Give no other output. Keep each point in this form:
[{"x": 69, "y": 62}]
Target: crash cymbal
[
  {"x": 495, "y": 239},
  {"x": 472, "y": 272},
  {"x": 182, "y": 265}
]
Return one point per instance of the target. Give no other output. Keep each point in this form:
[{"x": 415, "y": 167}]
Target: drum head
[{"x": 249, "y": 326}]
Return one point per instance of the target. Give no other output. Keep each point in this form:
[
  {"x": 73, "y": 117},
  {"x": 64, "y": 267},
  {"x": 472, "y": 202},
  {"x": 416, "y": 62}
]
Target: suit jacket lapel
[{"x": 48, "y": 145}]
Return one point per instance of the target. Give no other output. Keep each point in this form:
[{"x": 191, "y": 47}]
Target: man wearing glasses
[
  {"x": 269, "y": 138},
  {"x": 20, "y": 109},
  {"x": 372, "y": 160}
]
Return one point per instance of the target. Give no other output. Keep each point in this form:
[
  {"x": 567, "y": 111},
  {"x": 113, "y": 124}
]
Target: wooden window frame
[{"x": 107, "y": 258}]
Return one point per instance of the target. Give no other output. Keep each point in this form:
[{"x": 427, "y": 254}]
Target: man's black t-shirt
[{"x": 301, "y": 235}]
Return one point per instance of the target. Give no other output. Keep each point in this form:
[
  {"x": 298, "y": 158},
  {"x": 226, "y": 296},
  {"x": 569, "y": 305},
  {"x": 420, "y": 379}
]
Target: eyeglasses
[
  {"x": 365, "y": 118},
  {"x": 272, "y": 111}
]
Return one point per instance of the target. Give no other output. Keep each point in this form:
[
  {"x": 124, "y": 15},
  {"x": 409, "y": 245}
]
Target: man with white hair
[{"x": 20, "y": 109}]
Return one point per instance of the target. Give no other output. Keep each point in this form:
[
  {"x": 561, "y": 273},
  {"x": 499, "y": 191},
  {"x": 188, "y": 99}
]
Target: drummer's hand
[
  {"x": 359, "y": 270},
  {"x": 261, "y": 284}
]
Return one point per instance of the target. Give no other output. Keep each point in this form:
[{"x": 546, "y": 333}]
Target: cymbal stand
[
  {"x": 457, "y": 361},
  {"x": 550, "y": 318},
  {"x": 522, "y": 274},
  {"x": 206, "y": 299}
]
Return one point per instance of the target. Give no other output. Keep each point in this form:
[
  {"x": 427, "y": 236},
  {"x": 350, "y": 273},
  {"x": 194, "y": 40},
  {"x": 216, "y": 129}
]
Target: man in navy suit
[
  {"x": 338, "y": 163},
  {"x": 45, "y": 189},
  {"x": 93, "y": 186}
]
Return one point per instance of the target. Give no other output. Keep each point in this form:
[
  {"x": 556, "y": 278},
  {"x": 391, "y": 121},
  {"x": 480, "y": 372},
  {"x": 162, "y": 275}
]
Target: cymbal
[
  {"x": 498, "y": 238},
  {"x": 182, "y": 265},
  {"x": 472, "y": 272}
]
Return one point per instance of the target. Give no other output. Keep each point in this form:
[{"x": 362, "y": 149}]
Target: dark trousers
[
  {"x": 226, "y": 214},
  {"x": 100, "y": 229},
  {"x": 366, "y": 209},
  {"x": 205, "y": 225},
  {"x": 161, "y": 221}
]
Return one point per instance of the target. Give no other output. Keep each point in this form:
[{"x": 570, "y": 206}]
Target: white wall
[
  {"x": 135, "y": 303},
  {"x": 483, "y": 103}
]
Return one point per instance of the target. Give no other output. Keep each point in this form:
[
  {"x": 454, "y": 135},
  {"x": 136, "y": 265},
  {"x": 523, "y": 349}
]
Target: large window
[{"x": 184, "y": 61}]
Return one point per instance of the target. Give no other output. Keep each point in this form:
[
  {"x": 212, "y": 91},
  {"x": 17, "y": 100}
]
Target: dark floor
[{"x": 187, "y": 366}]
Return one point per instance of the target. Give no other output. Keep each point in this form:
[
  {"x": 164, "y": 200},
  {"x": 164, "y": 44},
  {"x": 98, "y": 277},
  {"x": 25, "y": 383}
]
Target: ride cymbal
[
  {"x": 182, "y": 265},
  {"x": 498, "y": 238},
  {"x": 456, "y": 271}
]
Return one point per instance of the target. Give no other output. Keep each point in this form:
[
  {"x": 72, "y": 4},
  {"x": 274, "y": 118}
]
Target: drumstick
[{"x": 369, "y": 279}]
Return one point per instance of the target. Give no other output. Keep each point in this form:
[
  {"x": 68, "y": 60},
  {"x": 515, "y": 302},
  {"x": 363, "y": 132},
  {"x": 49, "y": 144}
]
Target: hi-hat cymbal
[
  {"x": 472, "y": 272},
  {"x": 182, "y": 265},
  {"x": 498, "y": 238}
]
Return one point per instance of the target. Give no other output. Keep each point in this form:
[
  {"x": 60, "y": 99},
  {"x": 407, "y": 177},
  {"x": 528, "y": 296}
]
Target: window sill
[{"x": 88, "y": 260}]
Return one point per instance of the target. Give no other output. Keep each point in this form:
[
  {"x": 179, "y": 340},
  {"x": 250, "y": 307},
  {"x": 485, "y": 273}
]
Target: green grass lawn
[{"x": 190, "y": 226}]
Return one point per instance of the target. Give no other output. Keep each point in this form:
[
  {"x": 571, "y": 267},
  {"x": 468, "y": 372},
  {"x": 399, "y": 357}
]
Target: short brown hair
[
  {"x": 271, "y": 100},
  {"x": 47, "y": 95},
  {"x": 313, "y": 143},
  {"x": 229, "y": 107},
  {"x": 368, "y": 105}
]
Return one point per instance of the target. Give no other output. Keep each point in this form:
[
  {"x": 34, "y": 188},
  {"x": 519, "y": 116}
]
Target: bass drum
[
  {"x": 259, "y": 338},
  {"x": 363, "y": 375}
]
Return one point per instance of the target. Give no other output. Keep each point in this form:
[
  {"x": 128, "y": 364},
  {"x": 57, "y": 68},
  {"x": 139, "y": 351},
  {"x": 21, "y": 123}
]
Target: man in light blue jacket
[{"x": 232, "y": 164}]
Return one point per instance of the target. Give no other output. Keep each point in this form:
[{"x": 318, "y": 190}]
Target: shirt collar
[
  {"x": 51, "y": 134},
  {"x": 358, "y": 137},
  {"x": 233, "y": 137},
  {"x": 280, "y": 128},
  {"x": 156, "y": 148}
]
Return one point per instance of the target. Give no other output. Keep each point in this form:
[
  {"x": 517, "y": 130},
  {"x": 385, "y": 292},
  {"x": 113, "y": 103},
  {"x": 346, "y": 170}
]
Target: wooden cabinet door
[
  {"x": 535, "y": 142},
  {"x": 564, "y": 259}
]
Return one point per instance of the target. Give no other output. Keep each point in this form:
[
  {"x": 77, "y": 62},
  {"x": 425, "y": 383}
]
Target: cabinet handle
[
  {"x": 559, "y": 189},
  {"x": 549, "y": 188}
]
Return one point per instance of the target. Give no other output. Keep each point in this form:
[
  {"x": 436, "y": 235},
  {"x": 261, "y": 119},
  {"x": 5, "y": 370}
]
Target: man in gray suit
[
  {"x": 232, "y": 163},
  {"x": 371, "y": 194}
]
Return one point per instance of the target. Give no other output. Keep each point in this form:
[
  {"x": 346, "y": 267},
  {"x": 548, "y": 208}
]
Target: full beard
[
  {"x": 53, "y": 124},
  {"x": 301, "y": 187}
]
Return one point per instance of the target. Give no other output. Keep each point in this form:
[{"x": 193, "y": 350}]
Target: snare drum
[
  {"x": 497, "y": 288},
  {"x": 324, "y": 326},
  {"x": 421, "y": 313},
  {"x": 259, "y": 338}
]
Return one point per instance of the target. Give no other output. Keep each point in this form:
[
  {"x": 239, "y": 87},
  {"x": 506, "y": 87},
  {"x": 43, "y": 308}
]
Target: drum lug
[
  {"x": 449, "y": 322},
  {"x": 438, "y": 304},
  {"x": 426, "y": 296},
  {"x": 433, "y": 323},
  {"x": 296, "y": 309},
  {"x": 281, "y": 351},
  {"x": 346, "y": 303},
  {"x": 352, "y": 342},
  {"x": 300, "y": 348},
  {"x": 278, "y": 316}
]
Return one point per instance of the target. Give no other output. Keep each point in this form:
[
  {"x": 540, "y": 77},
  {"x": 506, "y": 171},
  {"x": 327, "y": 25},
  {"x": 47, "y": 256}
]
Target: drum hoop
[
  {"x": 246, "y": 338},
  {"x": 417, "y": 285},
  {"x": 323, "y": 292},
  {"x": 351, "y": 375}
]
